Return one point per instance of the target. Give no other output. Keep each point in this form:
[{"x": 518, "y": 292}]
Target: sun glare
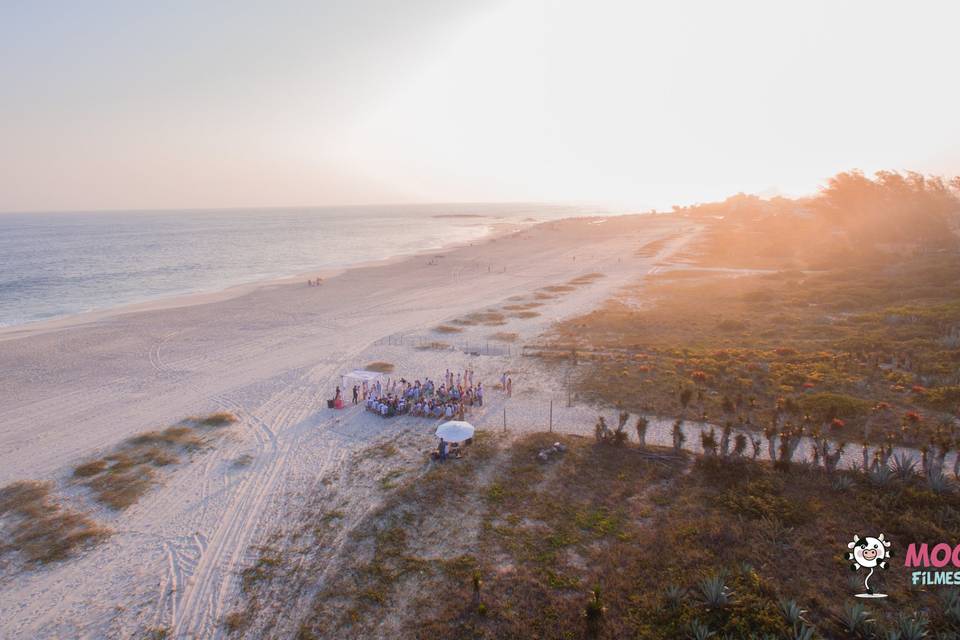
[{"x": 643, "y": 104}]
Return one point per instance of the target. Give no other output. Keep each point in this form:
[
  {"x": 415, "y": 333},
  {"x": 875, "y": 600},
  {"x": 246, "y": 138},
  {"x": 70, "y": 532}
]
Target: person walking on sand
[
  {"x": 503, "y": 381},
  {"x": 442, "y": 450},
  {"x": 356, "y": 394},
  {"x": 509, "y": 387},
  {"x": 480, "y": 393}
]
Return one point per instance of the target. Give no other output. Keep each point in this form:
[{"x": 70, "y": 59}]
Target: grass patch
[
  {"x": 34, "y": 524},
  {"x": 91, "y": 468},
  {"x": 119, "y": 479},
  {"x": 525, "y": 315},
  {"x": 488, "y": 318},
  {"x": 380, "y": 367},
  {"x": 504, "y": 336},
  {"x": 219, "y": 419},
  {"x": 446, "y": 328},
  {"x": 587, "y": 278}
]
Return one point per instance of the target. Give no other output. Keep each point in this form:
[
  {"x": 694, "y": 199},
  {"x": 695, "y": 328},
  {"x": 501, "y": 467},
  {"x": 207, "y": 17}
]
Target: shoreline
[{"x": 180, "y": 300}]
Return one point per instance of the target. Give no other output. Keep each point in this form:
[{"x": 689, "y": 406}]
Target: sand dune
[{"x": 270, "y": 355}]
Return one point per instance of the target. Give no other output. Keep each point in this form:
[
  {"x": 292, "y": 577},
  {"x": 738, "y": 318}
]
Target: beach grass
[
  {"x": 37, "y": 526},
  {"x": 120, "y": 478},
  {"x": 446, "y": 328},
  {"x": 380, "y": 367}
]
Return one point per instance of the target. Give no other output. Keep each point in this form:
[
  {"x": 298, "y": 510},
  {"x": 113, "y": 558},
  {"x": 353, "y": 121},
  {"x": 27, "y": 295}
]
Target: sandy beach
[{"x": 270, "y": 354}]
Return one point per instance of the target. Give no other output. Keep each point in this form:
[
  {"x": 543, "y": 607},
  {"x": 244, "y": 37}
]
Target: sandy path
[{"x": 271, "y": 356}]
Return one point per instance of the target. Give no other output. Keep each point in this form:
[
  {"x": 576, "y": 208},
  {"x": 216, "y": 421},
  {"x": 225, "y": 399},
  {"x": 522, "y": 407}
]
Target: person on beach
[
  {"x": 442, "y": 450},
  {"x": 356, "y": 394},
  {"x": 338, "y": 399},
  {"x": 480, "y": 393},
  {"x": 510, "y": 387},
  {"x": 503, "y": 381}
]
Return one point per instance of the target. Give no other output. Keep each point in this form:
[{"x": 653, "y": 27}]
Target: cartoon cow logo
[{"x": 868, "y": 553}]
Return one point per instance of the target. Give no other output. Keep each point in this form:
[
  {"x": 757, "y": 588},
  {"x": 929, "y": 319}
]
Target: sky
[{"x": 186, "y": 104}]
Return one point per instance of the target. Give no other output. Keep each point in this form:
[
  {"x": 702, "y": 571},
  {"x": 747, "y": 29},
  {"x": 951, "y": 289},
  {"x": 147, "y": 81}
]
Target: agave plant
[
  {"x": 792, "y": 612},
  {"x": 715, "y": 593},
  {"x": 699, "y": 631},
  {"x": 674, "y": 595},
  {"x": 880, "y": 475},
  {"x": 904, "y": 466},
  {"x": 912, "y": 627},
  {"x": 804, "y": 632},
  {"x": 950, "y": 601},
  {"x": 937, "y": 481},
  {"x": 773, "y": 531},
  {"x": 856, "y": 618},
  {"x": 842, "y": 483}
]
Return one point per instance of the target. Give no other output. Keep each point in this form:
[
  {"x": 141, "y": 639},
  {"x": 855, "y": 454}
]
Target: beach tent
[
  {"x": 359, "y": 376},
  {"x": 455, "y": 431}
]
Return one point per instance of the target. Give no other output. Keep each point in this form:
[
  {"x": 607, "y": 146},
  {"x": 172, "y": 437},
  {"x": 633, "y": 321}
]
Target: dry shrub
[
  {"x": 122, "y": 485},
  {"x": 446, "y": 328},
  {"x": 481, "y": 317},
  {"x": 380, "y": 367},
  {"x": 219, "y": 419},
  {"x": 91, "y": 468},
  {"x": 504, "y": 336},
  {"x": 525, "y": 314},
  {"x": 170, "y": 437},
  {"x": 544, "y": 296},
  {"x": 514, "y": 307},
  {"x": 585, "y": 279},
  {"x": 558, "y": 288},
  {"x": 121, "y": 478},
  {"x": 40, "y": 528}
]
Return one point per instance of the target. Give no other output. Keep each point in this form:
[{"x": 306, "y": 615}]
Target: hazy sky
[{"x": 243, "y": 103}]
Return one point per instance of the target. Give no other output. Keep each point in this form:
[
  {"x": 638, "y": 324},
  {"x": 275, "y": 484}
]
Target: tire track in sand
[{"x": 198, "y": 614}]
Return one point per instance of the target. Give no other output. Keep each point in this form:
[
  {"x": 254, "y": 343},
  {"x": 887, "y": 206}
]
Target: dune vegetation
[
  {"x": 120, "y": 478},
  {"x": 837, "y": 315},
  {"x": 552, "y": 536},
  {"x": 34, "y": 523}
]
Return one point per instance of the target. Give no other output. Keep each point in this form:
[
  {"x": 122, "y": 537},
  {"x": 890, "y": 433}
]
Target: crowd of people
[{"x": 452, "y": 398}]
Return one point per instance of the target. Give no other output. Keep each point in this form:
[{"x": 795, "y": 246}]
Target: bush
[{"x": 827, "y": 406}]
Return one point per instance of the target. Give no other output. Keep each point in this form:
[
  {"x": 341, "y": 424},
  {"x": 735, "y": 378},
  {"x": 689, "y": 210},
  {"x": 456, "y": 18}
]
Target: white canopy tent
[
  {"x": 358, "y": 377},
  {"x": 455, "y": 431}
]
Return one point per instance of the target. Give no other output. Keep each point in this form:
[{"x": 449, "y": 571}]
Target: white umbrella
[{"x": 455, "y": 431}]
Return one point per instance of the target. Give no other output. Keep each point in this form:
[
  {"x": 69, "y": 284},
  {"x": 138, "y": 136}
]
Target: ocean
[{"x": 59, "y": 264}]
